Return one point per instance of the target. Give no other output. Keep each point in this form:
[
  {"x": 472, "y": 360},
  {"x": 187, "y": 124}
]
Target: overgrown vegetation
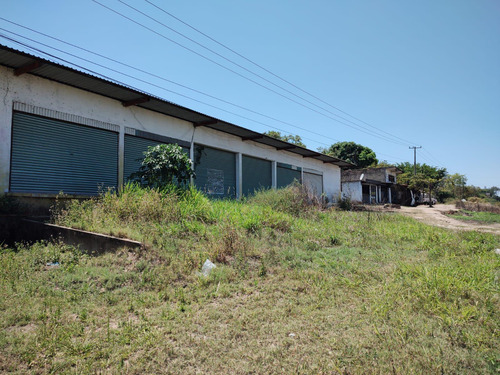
[
  {"x": 482, "y": 217},
  {"x": 164, "y": 165},
  {"x": 478, "y": 205},
  {"x": 296, "y": 290}
]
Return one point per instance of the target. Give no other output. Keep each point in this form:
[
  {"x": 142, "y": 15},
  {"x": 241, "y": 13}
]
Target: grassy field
[
  {"x": 296, "y": 290},
  {"x": 482, "y": 217}
]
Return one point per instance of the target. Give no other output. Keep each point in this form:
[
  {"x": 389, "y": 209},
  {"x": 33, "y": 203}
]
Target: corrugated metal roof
[{"x": 63, "y": 74}]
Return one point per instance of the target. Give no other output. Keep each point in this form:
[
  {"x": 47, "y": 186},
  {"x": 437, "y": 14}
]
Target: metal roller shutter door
[
  {"x": 256, "y": 174},
  {"x": 314, "y": 182},
  {"x": 49, "y": 156},
  {"x": 215, "y": 172},
  {"x": 286, "y": 174},
  {"x": 134, "y": 152}
]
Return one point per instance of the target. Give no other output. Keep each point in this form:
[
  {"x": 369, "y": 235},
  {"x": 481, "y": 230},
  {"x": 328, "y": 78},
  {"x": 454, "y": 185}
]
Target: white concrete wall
[
  {"x": 352, "y": 190},
  {"x": 44, "y": 93}
]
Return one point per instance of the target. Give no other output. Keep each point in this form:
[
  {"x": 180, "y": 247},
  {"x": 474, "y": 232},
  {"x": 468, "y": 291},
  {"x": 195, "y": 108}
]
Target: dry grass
[
  {"x": 478, "y": 207},
  {"x": 316, "y": 292}
]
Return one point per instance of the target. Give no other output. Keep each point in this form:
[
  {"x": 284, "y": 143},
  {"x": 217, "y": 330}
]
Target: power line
[
  {"x": 359, "y": 127},
  {"x": 434, "y": 160},
  {"x": 141, "y": 80},
  {"x": 266, "y": 70},
  {"x": 240, "y": 66},
  {"x": 161, "y": 78}
]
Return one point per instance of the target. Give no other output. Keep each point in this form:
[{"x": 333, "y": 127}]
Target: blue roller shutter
[
  {"x": 134, "y": 152},
  {"x": 256, "y": 174},
  {"x": 50, "y": 156},
  {"x": 286, "y": 174},
  {"x": 215, "y": 172}
]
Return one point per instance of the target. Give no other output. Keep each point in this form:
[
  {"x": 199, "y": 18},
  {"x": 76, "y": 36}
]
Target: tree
[
  {"x": 165, "y": 165},
  {"x": 360, "y": 155},
  {"x": 454, "y": 185},
  {"x": 294, "y": 139},
  {"x": 427, "y": 177}
]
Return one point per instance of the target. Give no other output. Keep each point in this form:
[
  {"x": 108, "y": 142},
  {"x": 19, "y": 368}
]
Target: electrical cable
[
  {"x": 240, "y": 66},
  {"x": 371, "y": 133},
  {"x": 167, "y": 80},
  {"x": 140, "y": 80},
  {"x": 268, "y": 71}
]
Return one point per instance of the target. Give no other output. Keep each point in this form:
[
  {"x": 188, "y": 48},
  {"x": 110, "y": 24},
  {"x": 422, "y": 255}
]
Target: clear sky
[{"x": 385, "y": 74}]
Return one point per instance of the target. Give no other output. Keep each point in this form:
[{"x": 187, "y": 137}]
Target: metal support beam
[
  {"x": 274, "y": 174},
  {"x": 239, "y": 175},
  {"x": 121, "y": 158},
  {"x": 253, "y": 137},
  {"x": 286, "y": 147},
  {"x": 205, "y": 123},
  {"x": 27, "y": 68},
  {"x": 132, "y": 102}
]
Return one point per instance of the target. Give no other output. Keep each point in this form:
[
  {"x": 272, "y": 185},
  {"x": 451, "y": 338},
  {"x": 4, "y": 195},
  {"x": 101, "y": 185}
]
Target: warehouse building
[{"x": 63, "y": 130}]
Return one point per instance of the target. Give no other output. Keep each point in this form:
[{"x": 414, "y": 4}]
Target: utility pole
[{"x": 414, "y": 158}]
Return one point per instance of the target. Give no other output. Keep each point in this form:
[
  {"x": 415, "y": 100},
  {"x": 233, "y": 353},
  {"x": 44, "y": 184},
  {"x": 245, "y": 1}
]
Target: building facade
[
  {"x": 370, "y": 185},
  {"x": 62, "y": 130}
]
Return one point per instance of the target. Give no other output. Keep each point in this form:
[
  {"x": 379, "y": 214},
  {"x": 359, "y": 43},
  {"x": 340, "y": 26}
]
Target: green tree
[
  {"x": 428, "y": 178},
  {"x": 294, "y": 139},
  {"x": 165, "y": 165},
  {"x": 360, "y": 155},
  {"x": 454, "y": 185}
]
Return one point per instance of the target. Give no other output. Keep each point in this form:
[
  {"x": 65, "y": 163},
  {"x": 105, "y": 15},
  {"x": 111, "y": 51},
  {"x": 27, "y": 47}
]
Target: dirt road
[{"x": 436, "y": 216}]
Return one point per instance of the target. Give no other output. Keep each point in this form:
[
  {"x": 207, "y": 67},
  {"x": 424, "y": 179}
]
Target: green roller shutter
[
  {"x": 286, "y": 174},
  {"x": 215, "y": 172},
  {"x": 49, "y": 156},
  {"x": 134, "y": 152},
  {"x": 256, "y": 174},
  {"x": 314, "y": 182}
]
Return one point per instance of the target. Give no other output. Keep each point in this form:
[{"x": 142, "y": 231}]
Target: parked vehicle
[{"x": 424, "y": 199}]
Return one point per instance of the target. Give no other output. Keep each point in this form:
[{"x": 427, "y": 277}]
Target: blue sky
[{"x": 423, "y": 73}]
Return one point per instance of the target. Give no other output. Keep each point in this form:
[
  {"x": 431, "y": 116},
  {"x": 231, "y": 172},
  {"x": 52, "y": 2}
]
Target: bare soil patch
[{"x": 436, "y": 216}]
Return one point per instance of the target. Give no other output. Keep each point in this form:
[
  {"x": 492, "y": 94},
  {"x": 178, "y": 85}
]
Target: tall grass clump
[
  {"x": 135, "y": 210},
  {"x": 294, "y": 199},
  {"x": 297, "y": 289},
  {"x": 478, "y": 206}
]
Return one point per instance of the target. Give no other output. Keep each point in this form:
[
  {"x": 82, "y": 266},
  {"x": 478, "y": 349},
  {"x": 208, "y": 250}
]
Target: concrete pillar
[
  {"x": 121, "y": 157},
  {"x": 390, "y": 194},
  {"x": 5, "y": 130},
  {"x": 239, "y": 175},
  {"x": 191, "y": 156},
  {"x": 274, "y": 174}
]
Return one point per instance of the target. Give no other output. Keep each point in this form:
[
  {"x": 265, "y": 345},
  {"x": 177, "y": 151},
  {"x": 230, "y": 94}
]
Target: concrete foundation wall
[
  {"x": 53, "y": 96},
  {"x": 353, "y": 191}
]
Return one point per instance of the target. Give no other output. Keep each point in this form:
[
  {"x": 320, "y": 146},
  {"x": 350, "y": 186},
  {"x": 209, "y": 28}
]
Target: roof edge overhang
[{"x": 25, "y": 63}]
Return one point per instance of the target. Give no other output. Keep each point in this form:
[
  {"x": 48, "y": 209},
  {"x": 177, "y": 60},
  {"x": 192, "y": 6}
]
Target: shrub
[
  {"x": 478, "y": 205},
  {"x": 164, "y": 165},
  {"x": 345, "y": 204},
  {"x": 294, "y": 199}
]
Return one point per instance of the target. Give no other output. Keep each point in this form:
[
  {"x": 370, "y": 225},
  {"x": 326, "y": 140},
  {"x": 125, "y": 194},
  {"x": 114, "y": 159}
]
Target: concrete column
[
  {"x": 390, "y": 194},
  {"x": 121, "y": 157},
  {"x": 5, "y": 131},
  {"x": 239, "y": 175},
  {"x": 191, "y": 156},
  {"x": 274, "y": 174}
]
